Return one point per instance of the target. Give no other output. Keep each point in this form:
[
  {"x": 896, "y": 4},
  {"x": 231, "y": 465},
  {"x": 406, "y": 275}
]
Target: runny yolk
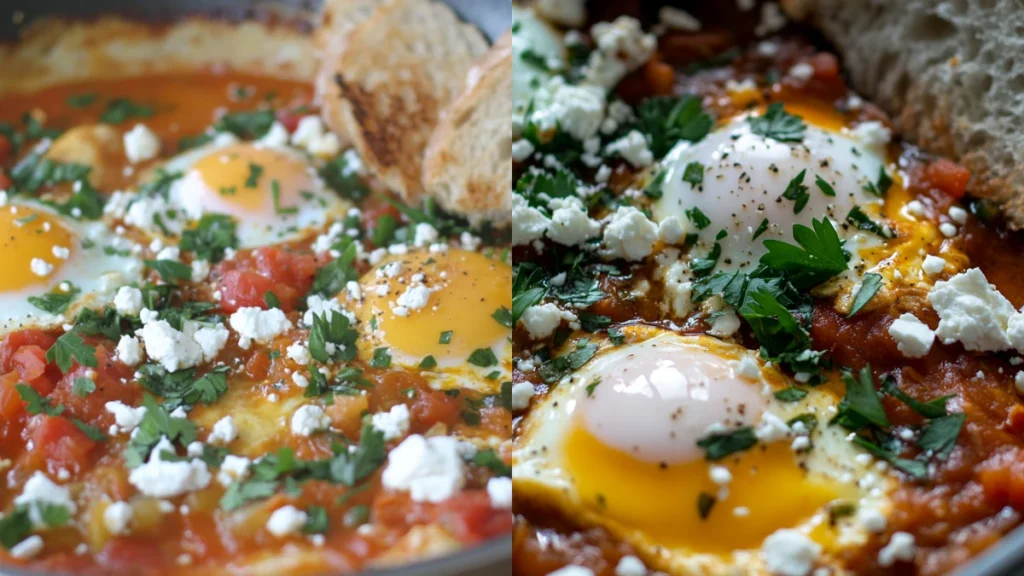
[
  {"x": 467, "y": 288},
  {"x": 240, "y": 180},
  {"x": 661, "y": 502},
  {"x": 27, "y": 234}
]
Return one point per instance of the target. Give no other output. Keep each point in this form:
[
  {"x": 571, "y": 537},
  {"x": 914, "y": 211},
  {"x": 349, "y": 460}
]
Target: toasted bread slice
[
  {"x": 398, "y": 70},
  {"x": 949, "y": 74},
  {"x": 337, "y": 20},
  {"x": 468, "y": 163}
]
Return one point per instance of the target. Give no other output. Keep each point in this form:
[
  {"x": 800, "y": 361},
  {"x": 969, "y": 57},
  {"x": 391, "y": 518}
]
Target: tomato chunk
[
  {"x": 247, "y": 279},
  {"x": 15, "y": 340},
  {"x": 948, "y": 176},
  {"x": 60, "y": 444},
  {"x": 113, "y": 382}
]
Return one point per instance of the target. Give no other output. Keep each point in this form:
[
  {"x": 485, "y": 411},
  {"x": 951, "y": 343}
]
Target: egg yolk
[
  {"x": 465, "y": 289},
  {"x": 29, "y": 234},
  {"x": 241, "y": 180},
  {"x": 661, "y": 501}
]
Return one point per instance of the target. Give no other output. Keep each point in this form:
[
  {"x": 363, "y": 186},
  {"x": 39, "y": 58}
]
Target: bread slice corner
[
  {"x": 468, "y": 162},
  {"x": 397, "y": 71}
]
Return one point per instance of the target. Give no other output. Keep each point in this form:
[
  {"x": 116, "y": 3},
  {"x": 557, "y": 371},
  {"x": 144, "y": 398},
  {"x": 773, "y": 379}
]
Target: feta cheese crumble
[{"x": 430, "y": 469}]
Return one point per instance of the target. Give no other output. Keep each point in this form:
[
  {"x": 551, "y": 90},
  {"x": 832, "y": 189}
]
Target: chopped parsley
[
  {"x": 381, "y": 358},
  {"x": 862, "y": 221},
  {"x": 824, "y": 186},
  {"x": 211, "y": 237},
  {"x": 68, "y": 348},
  {"x": 555, "y": 369},
  {"x": 56, "y": 301},
  {"x": 446, "y": 337},
  {"x": 333, "y": 328},
  {"x": 667, "y": 119},
  {"x": 699, "y": 219},
  {"x": 868, "y": 288},
  {"x": 83, "y": 386},
  {"x": 694, "y": 174},
  {"x": 881, "y": 184},
  {"x": 247, "y": 124},
  {"x": 778, "y": 124},
  {"x": 503, "y": 316},
  {"x": 253, "y": 179},
  {"x": 483, "y": 357},
  {"x": 120, "y": 110},
  {"x": 791, "y": 394},
  {"x": 170, "y": 270},
  {"x": 705, "y": 502},
  {"x": 271, "y": 299},
  {"x": 428, "y": 362},
  {"x": 797, "y": 192},
  {"x": 719, "y": 445}
]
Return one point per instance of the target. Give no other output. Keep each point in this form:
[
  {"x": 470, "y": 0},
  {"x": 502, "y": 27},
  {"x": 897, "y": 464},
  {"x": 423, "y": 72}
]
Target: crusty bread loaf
[
  {"x": 398, "y": 71},
  {"x": 337, "y": 19},
  {"x": 468, "y": 164},
  {"x": 948, "y": 71}
]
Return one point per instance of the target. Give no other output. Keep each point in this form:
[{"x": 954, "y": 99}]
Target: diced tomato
[
  {"x": 257, "y": 366},
  {"x": 660, "y": 76},
  {"x": 433, "y": 406},
  {"x": 15, "y": 340},
  {"x": 373, "y": 208},
  {"x": 825, "y": 65},
  {"x": 5, "y": 180},
  {"x": 288, "y": 118},
  {"x": 113, "y": 384},
  {"x": 6, "y": 148},
  {"x": 30, "y": 363},
  {"x": 12, "y": 410},
  {"x": 469, "y": 515},
  {"x": 60, "y": 444},
  {"x": 1002, "y": 478},
  {"x": 471, "y": 518},
  {"x": 346, "y": 414},
  {"x": 948, "y": 176},
  {"x": 496, "y": 420},
  {"x": 287, "y": 274}
]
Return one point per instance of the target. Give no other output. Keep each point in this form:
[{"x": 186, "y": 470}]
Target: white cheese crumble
[
  {"x": 630, "y": 565},
  {"x": 541, "y": 320},
  {"x": 161, "y": 479},
  {"x": 629, "y": 235},
  {"x": 789, "y": 553},
  {"x": 233, "y": 469},
  {"x": 187, "y": 348},
  {"x": 500, "y": 492},
  {"x": 622, "y": 46},
  {"x": 522, "y": 392},
  {"x": 40, "y": 267},
  {"x": 39, "y": 489},
  {"x": 394, "y": 423},
  {"x": 128, "y": 301},
  {"x": 572, "y": 571},
  {"x": 570, "y": 225},
  {"x": 141, "y": 144},
  {"x": 257, "y": 325},
  {"x": 633, "y": 148},
  {"x": 117, "y": 518},
  {"x": 913, "y": 337},
  {"x": 299, "y": 353},
  {"x": 576, "y": 110},
  {"x": 310, "y": 135},
  {"x": 27, "y": 548},
  {"x": 286, "y": 520},
  {"x": 309, "y": 419},
  {"x": 129, "y": 352},
  {"x": 973, "y": 312},
  {"x": 126, "y": 418},
  {"x": 224, "y": 431},
  {"x": 901, "y": 548},
  {"x": 933, "y": 265},
  {"x": 430, "y": 469}
]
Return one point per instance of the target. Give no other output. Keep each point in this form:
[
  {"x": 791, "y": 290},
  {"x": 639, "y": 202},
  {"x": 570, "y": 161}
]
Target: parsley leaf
[
  {"x": 881, "y": 184},
  {"x": 70, "y": 347},
  {"x": 343, "y": 177},
  {"x": 935, "y": 408},
  {"x": 121, "y": 109},
  {"x": 489, "y": 459},
  {"x": 668, "y": 119},
  {"x": 797, "y": 192},
  {"x": 170, "y": 270},
  {"x": 868, "y": 288},
  {"x": 694, "y": 174},
  {"x": 241, "y": 492},
  {"x": 381, "y": 358},
  {"x": 35, "y": 403},
  {"x": 332, "y": 278},
  {"x": 824, "y": 186},
  {"x": 15, "y": 527},
  {"x": 914, "y": 468},
  {"x": 556, "y": 368},
  {"x": 503, "y": 316},
  {"x": 778, "y": 124},
  {"x": 719, "y": 445},
  {"x": 818, "y": 257},
  {"x": 332, "y": 337},
  {"x": 483, "y": 357},
  {"x": 55, "y": 302},
  {"x": 83, "y": 387},
  {"x": 247, "y": 124},
  {"x": 214, "y": 234},
  {"x": 861, "y": 405},
  {"x": 858, "y": 218},
  {"x": 791, "y": 394},
  {"x": 699, "y": 219},
  {"x": 940, "y": 434},
  {"x": 316, "y": 521}
]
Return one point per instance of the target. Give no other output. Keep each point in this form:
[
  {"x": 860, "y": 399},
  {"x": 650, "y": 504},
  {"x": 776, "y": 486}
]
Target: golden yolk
[
  {"x": 467, "y": 288},
  {"x": 661, "y": 502},
  {"x": 241, "y": 179},
  {"x": 29, "y": 234}
]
